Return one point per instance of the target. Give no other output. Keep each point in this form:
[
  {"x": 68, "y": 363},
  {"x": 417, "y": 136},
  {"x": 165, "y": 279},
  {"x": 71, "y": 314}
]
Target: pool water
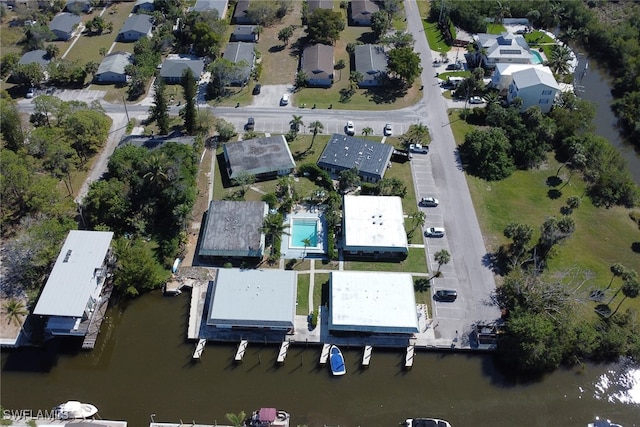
[
  {"x": 302, "y": 229},
  {"x": 537, "y": 58}
]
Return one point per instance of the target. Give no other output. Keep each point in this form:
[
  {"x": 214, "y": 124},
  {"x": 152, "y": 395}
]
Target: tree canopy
[
  {"x": 405, "y": 64},
  {"x": 324, "y": 26},
  {"x": 485, "y": 153}
]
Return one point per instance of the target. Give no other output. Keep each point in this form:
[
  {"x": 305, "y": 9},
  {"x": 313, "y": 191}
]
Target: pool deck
[{"x": 309, "y": 212}]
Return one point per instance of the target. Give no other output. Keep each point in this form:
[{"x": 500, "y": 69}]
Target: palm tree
[
  {"x": 296, "y": 122},
  {"x": 367, "y": 131},
  {"x": 492, "y": 97},
  {"x": 630, "y": 289},
  {"x": 315, "y": 128},
  {"x": 442, "y": 257},
  {"x": 307, "y": 242},
  {"x": 274, "y": 225},
  {"x": 617, "y": 270},
  {"x": 236, "y": 420},
  {"x": 156, "y": 174},
  {"x": 559, "y": 59},
  {"x": 15, "y": 310},
  {"x": 627, "y": 276},
  {"x": 500, "y": 12},
  {"x": 419, "y": 218}
]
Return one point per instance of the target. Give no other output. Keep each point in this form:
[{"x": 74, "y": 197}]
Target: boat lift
[{"x": 242, "y": 347}]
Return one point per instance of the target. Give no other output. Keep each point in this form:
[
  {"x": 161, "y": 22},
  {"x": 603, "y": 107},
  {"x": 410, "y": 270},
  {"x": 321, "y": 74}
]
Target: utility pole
[{"x": 125, "y": 108}]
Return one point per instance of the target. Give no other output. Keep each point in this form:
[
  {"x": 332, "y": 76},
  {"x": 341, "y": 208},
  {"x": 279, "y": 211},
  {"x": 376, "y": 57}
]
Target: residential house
[
  {"x": 112, "y": 68},
  {"x": 240, "y": 14},
  {"x": 136, "y": 27},
  {"x": 245, "y": 33},
  {"x": 508, "y": 48},
  {"x": 503, "y": 74},
  {"x": 219, "y": 6},
  {"x": 373, "y": 227},
  {"x": 173, "y": 67},
  {"x": 230, "y": 235},
  {"x": 343, "y": 152},
  {"x": 39, "y": 56},
  {"x": 317, "y": 64},
  {"x": 143, "y": 6},
  {"x": 244, "y": 56},
  {"x": 535, "y": 87},
  {"x": 263, "y": 158},
  {"x": 371, "y": 61},
  {"x": 79, "y": 6},
  {"x": 63, "y": 25},
  {"x": 318, "y": 4},
  {"x": 73, "y": 290},
  {"x": 361, "y": 11}
]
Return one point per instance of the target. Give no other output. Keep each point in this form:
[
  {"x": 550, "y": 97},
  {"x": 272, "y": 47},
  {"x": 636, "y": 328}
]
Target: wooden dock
[
  {"x": 242, "y": 347},
  {"x": 283, "y": 351},
  {"x": 408, "y": 361},
  {"x": 366, "y": 355},
  {"x": 95, "y": 322},
  {"x": 324, "y": 356},
  {"x": 199, "y": 348}
]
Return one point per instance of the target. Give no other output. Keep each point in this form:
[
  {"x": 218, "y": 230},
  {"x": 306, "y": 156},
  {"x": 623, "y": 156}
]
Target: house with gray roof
[
  {"x": 73, "y": 289},
  {"x": 317, "y": 64},
  {"x": 535, "y": 86},
  {"x": 344, "y": 152},
  {"x": 228, "y": 234},
  {"x": 175, "y": 65},
  {"x": 318, "y": 4},
  {"x": 64, "y": 24},
  {"x": 253, "y": 300},
  {"x": 112, "y": 68},
  {"x": 39, "y": 57},
  {"x": 219, "y": 6},
  {"x": 245, "y": 33},
  {"x": 240, "y": 14},
  {"x": 505, "y": 48},
  {"x": 143, "y": 6},
  {"x": 244, "y": 56},
  {"x": 78, "y": 6},
  {"x": 263, "y": 158},
  {"x": 371, "y": 60},
  {"x": 136, "y": 27},
  {"x": 361, "y": 11}
]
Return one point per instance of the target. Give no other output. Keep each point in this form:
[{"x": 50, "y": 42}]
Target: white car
[
  {"x": 434, "y": 232},
  {"x": 285, "y": 99},
  {"x": 350, "y": 128},
  {"x": 31, "y": 93},
  {"x": 388, "y": 130},
  {"x": 418, "y": 148},
  {"x": 476, "y": 100}
]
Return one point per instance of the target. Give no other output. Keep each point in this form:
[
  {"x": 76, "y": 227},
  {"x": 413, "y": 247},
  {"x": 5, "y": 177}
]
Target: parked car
[
  {"x": 251, "y": 124},
  {"x": 285, "y": 99},
  {"x": 455, "y": 66},
  {"x": 388, "y": 130},
  {"x": 447, "y": 295},
  {"x": 429, "y": 202},
  {"x": 476, "y": 100},
  {"x": 31, "y": 93},
  {"x": 350, "y": 129},
  {"x": 434, "y": 232},
  {"x": 418, "y": 148},
  {"x": 256, "y": 89}
]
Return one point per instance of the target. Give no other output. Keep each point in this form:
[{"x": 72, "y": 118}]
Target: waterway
[{"x": 142, "y": 366}]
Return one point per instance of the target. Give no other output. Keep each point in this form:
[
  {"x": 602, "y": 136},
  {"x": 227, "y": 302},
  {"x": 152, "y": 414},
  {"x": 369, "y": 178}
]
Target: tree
[
  {"x": 190, "y": 90},
  {"x": 225, "y": 130},
  {"x": 285, "y": 34},
  {"x": 627, "y": 277},
  {"x": 159, "y": 111},
  {"x": 349, "y": 179},
  {"x": 324, "y": 26},
  {"x": 416, "y": 134},
  {"x": 315, "y": 127},
  {"x": 263, "y": 13},
  {"x": 367, "y": 131},
  {"x": 306, "y": 242},
  {"x": 155, "y": 171},
  {"x": 244, "y": 180},
  {"x": 559, "y": 59},
  {"x": 520, "y": 235},
  {"x": 301, "y": 79},
  {"x": 274, "y": 226},
  {"x": 630, "y": 289},
  {"x": 617, "y": 270},
  {"x": 554, "y": 230},
  {"x": 500, "y": 11},
  {"x": 8, "y": 63},
  {"x": 87, "y": 130},
  {"x": 399, "y": 39},
  {"x": 405, "y": 64},
  {"x": 222, "y": 72},
  {"x": 30, "y": 74},
  {"x": 236, "y": 420},
  {"x": 15, "y": 311},
  {"x": 137, "y": 269},
  {"x": 90, "y": 68},
  {"x": 380, "y": 23},
  {"x": 10, "y": 125},
  {"x": 418, "y": 219},
  {"x": 296, "y": 122},
  {"x": 442, "y": 257},
  {"x": 53, "y": 51},
  {"x": 485, "y": 153},
  {"x": 107, "y": 203},
  {"x": 573, "y": 203}
]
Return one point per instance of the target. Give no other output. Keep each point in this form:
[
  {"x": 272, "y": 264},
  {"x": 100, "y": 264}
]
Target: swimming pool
[
  {"x": 301, "y": 229},
  {"x": 537, "y": 58}
]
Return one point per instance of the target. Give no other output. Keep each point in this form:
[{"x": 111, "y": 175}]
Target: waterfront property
[
  {"x": 535, "y": 86},
  {"x": 264, "y": 158},
  {"x": 344, "y": 152},
  {"x": 73, "y": 290},
  {"x": 232, "y": 230},
  {"x": 503, "y": 75},
  {"x": 372, "y": 303},
  {"x": 504, "y": 48},
  {"x": 373, "y": 227}
]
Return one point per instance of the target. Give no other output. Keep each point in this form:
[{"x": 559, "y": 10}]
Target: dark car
[
  {"x": 456, "y": 66},
  {"x": 251, "y": 124},
  {"x": 447, "y": 295},
  {"x": 256, "y": 89}
]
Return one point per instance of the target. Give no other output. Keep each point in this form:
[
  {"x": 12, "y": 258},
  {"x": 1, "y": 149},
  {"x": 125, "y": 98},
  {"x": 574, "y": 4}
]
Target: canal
[{"x": 142, "y": 366}]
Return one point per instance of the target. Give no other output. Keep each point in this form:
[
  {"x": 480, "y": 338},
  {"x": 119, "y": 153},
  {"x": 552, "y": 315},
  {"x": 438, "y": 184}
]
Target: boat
[
  {"x": 426, "y": 422},
  {"x": 74, "y": 409},
  {"x": 603, "y": 423},
  {"x": 267, "y": 417},
  {"x": 336, "y": 360}
]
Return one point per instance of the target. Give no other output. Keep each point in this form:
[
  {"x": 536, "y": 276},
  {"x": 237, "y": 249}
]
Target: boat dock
[
  {"x": 282, "y": 354},
  {"x": 96, "y": 320},
  {"x": 324, "y": 355},
  {"x": 366, "y": 355},
  {"x": 199, "y": 348},
  {"x": 408, "y": 360},
  {"x": 242, "y": 347}
]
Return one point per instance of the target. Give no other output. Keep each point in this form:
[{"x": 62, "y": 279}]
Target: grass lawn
[
  {"x": 415, "y": 263},
  {"x": 326, "y": 264},
  {"x": 302, "y": 298},
  {"x": 538, "y": 37},
  {"x": 320, "y": 284},
  {"x": 495, "y": 28},
  {"x": 416, "y": 236},
  {"x": 402, "y": 171}
]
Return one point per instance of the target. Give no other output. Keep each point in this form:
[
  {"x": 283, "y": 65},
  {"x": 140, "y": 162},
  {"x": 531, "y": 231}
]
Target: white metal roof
[
  {"x": 535, "y": 76},
  {"x": 372, "y": 302},
  {"x": 73, "y": 278},
  {"x": 374, "y": 222},
  {"x": 253, "y": 298}
]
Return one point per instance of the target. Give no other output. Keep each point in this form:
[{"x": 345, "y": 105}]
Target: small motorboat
[
  {"x": 336, "y": 360},
  {"x": 426, "y": 422},
  {"x": 603, "y": 423},
  {"x": 74, "y": 409}
]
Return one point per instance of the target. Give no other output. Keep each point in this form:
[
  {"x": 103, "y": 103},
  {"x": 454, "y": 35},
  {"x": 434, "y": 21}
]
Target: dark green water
[{"x": 142, "y": 366}]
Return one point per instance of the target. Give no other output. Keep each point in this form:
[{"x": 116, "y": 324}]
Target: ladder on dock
[
  {"x": 408, "y": 361},
  {"x": 283, "y": 351},
  {"x": 324, "y": 356},
  {"x": 366, "y": 356},
  {"x": 242, "y": 347},
  {"x": 199, "y": 348}
]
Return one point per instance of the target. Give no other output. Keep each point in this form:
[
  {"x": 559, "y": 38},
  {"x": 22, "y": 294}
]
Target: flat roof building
[
  {"x": 373, "y": 226},
  {"x": 232, "y": 229},
  {"x": 347, "y": 152},
  {"x": 250, "y": 299},
  {"x": 260, "y": 157},
  {"x": 372, "y": 302}
]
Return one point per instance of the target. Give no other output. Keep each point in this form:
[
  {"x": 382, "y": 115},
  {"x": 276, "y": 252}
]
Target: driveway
[{"x": 270, "y": 96}]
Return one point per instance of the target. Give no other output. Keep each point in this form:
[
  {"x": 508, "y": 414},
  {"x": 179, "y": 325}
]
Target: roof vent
[{"x": 67, "y": 256}]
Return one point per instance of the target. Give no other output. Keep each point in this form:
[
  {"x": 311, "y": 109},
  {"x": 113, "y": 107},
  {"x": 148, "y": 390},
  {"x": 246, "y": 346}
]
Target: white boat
[
  {"x": 426, "y": 422},
  {"x": 74, "y": 409},
  {"x": 269, "y": 417},
  {"x": 603, "y": 423},
  {"x": 336, "y": 360}
]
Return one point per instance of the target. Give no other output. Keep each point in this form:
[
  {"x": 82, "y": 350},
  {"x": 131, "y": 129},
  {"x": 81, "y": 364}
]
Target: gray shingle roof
[
  {"x": 319, "y": 4},
  {"x": 346, "y": 152},
  {"x": 38, "y": 56},
  {"x": 259, "y": 156},
  {"x": 140, "y": 23},
  {"x": 317, "y": 61},
  {"x": 218, "y": 5},
  {"x": 371, "y": 60},
  {"x": 64, "y": 22},
  {"x": 363, "y": 8},
  {"x": 173, "y": 68},
  {"x": 115, "y": 63}
]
